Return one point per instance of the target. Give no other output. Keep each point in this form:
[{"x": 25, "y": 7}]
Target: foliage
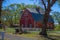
[
  {"x": 56, "y": 16},
  {"x": 57, "y": 28}
]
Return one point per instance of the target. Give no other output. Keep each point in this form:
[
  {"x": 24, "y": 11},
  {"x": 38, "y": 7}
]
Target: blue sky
[
  {"x": 56, "y": 7},
  {"x": 8, "y": 2}
]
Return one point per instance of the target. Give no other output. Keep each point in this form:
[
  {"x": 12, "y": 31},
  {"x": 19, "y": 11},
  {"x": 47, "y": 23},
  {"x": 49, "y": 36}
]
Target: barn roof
[
  {"x": 33, "y": 10},
  {"x": 38, "y": 16}
]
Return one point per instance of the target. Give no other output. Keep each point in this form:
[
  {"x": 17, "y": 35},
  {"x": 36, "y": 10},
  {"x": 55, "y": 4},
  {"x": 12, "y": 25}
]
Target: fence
[{"x": 31, "y": 29}]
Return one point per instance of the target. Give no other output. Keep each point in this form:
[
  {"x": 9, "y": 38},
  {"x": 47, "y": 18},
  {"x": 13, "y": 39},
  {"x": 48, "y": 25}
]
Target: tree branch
[
  {"x": 53, "y": 1},
  {"x": 48, "y": 7},
  {"x": 50, "y": 4},
  {"x": 44, "y": 4}
]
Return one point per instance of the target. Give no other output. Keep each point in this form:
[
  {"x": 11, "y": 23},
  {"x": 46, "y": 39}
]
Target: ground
[
  {"x": 29, "y": 37},
  {"x": 33, "y": 35}
]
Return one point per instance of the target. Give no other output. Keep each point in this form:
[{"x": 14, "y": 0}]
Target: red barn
[{"x": 32, "y": 18}]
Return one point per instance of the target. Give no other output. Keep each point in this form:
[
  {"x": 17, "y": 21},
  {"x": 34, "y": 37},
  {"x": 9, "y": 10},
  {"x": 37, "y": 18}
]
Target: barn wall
[{"x": 26, "y": 19}]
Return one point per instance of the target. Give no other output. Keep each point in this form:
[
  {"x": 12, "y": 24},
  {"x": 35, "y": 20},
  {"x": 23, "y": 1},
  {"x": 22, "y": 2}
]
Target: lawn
[
  {"x": 39, "y": 37},
  {"x": 10, "y": 30}
]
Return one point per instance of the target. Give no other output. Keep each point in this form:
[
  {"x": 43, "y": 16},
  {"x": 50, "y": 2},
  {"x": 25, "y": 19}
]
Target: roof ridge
[{"x": 35, "y": 11}]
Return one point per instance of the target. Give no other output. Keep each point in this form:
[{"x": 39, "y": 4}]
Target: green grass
[
  {"x": 10, "y": 30},
  {"x": 57, "y": 28}
]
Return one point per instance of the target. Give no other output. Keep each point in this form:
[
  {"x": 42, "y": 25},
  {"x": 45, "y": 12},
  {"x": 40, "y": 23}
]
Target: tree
[
  {"x": 1, "y": 1},
  {"x": 6, "y": 16},
  {"x": 56, "y": 16},
  {"x": 47, "y": 9},
  {"x": 14, "y": 9}
]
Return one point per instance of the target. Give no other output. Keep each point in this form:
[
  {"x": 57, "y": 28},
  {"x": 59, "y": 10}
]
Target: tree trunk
[
  {"x": 15, "y": 18},
  {"x": 20, "y": 29},
  {"x": 45, "y": 20},
  {"x": 1, "y": 1},
  {"x": 0, "y": 8}
]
